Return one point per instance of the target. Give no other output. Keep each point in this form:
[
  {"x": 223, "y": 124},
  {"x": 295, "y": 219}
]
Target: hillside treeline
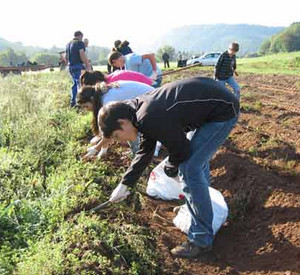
[{"x": 287, "y": 40}]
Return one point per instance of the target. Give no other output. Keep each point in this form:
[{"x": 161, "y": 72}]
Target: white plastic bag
[
  {"x": 220, "y": 212},
  {"x": 163, "y": 187}
]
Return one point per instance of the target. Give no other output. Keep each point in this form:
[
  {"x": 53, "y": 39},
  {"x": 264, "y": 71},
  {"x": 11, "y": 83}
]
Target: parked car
[{"x": 208, "y": 59}]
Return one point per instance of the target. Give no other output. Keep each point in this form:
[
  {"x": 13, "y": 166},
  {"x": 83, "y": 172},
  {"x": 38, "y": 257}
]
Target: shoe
[{"x": 189, "y": 250}]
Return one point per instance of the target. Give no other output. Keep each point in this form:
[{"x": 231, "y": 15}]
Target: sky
[{"x": 48, "y": 23}]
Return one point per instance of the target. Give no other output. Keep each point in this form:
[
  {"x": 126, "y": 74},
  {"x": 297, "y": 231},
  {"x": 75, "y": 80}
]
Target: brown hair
[
  {"x": 91, "y": 78},
  {"x": 94, "y": 94},
  {"x": 234, "y": 46},
  {"x": 113, "y": 56}
]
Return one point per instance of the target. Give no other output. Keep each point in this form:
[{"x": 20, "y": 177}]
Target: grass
[
  {"x": 44, "y": 186},
  {"x": 281, "y": 63}
]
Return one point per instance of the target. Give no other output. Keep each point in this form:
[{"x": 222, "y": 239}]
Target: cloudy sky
[{"x": 48, "y": 23}]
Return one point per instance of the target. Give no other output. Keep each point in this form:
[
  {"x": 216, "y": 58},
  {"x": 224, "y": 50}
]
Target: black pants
[{"x": 166, "y": 63}]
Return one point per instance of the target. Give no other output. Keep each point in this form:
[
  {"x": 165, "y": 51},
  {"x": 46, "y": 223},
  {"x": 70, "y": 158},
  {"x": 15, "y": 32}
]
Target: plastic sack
[
  {"x": 220, "y": 212},
  {"x": 163, "y": 187}
]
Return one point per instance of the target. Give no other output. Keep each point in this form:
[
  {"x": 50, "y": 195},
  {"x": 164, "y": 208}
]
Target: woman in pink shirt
[{"x": 93, "y": 77}]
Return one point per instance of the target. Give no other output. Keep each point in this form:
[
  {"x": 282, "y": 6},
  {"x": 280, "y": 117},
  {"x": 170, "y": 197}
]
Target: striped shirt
[{"x": 225, "y": 66}]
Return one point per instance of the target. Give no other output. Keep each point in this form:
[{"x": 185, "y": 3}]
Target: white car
[{"x": 208, "y": 59}]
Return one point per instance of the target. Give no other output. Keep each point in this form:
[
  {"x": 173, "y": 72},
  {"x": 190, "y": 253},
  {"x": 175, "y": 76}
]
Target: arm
[
  {"x": 178, "y": 145},
  {"x": 142, "y": 159},
  {"x": 218, "y": 65},
  {"x": 84, "y": 60},
  {"x": 234, "y": 67},
  {"x": 152, "y": 60}
]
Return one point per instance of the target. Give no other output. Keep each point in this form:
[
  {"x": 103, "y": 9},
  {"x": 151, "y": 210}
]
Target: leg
[
  {"x": 195, "y": 171},
  {"x": 75, "y": 73},
  {"x": 235, "y": 86}
]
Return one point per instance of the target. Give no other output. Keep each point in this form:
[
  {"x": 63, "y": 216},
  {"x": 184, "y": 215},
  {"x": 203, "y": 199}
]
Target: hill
[
  {"x": 28, "y": 50},
  {"x": 287, "y": 40},
  {"x": 204, "y": 38}
]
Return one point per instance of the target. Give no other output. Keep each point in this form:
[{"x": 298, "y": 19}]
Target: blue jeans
[
  {"x": 196, "y": 175},
  {"x": 157, "y": 82},
  {"x": 75, "y": 72},
  {"x": 233, "y": 84}
]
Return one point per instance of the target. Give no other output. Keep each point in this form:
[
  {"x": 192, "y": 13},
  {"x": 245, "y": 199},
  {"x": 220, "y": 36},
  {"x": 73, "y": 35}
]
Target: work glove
[
  {"x": 91, "y": 152},
  {"x": 102, "y": 153},
  {"x": 120, "y": 193},
  {"x": 154, "y": 75},
  {"x": 170, "y": 170}
]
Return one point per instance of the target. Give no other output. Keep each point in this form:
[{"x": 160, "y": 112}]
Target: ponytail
[
  {"x": 91, "y": 78},
  {"x": 94, "y": 94}
]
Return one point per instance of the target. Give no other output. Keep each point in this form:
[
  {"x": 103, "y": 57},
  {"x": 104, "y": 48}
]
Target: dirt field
[{"x": 258, "y": 172}]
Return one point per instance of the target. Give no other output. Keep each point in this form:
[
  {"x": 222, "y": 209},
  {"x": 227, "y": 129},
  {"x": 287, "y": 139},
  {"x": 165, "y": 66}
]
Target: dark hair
[
  {"x": 117, "y": 43},
  {"x": 77, "y": 33},
  {"x": 91, "y": 78},
  {"x": 91, "y": 94},
  {"x": 110, "y": 114},
  {"x": 113, "y": 56}
]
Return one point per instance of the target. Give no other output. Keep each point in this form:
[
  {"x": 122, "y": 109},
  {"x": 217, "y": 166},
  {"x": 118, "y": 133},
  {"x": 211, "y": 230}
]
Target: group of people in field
[{"x": 131, "y": 104}]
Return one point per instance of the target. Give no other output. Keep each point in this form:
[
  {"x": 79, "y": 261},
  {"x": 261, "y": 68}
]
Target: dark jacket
[
  {"x": 165, "y": 57},
  {"x": 225, "y": 66},
  {"x": 167, "y": 113}
]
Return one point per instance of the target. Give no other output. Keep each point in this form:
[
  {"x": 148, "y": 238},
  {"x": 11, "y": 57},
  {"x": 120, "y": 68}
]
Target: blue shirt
[
  {"x": 72, "y": 51},
  {"x": 135, "y": 62}
]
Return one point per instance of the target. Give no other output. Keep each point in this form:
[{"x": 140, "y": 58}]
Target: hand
[
  {"x": 154, "y": 75},
  {"x": 92, "y": 151},
  {"x": 171, "y": 170},
  {"x": 120, "y": 193},
  {"x": 102, "y": 153}
]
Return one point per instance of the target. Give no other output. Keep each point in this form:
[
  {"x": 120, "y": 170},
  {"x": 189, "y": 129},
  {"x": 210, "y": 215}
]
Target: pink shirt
[{"x": 128, "y": 75}]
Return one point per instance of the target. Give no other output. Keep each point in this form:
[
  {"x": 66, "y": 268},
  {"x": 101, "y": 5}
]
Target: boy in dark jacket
[
  {"x": 225, "y": 68},
  {"x": 165, "y": 115}
]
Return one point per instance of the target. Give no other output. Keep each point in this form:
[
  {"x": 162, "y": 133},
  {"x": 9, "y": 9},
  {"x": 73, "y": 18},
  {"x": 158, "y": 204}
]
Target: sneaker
[{"x": 189, "y": 250}]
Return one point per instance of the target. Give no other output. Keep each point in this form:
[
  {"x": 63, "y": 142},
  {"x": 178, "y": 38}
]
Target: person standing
[
  {"x": 121, "y": 47},
  {"x": 165, "y": 114},
  {"x": 166, "y": 58},
  {"x": 77, "y": 61},
  {"x": 226, "y": 68}
]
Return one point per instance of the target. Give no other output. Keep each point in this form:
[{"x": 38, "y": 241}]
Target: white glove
[
  {"x": 120, "y": 193},
  {"x": 154, "y": 75},
  {"x": 102, "y": 153},
  {"x": 91, "y": 152},
  {"x": 95, "y": 140}
]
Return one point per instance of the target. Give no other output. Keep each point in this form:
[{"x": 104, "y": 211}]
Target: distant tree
[
  {"x": 46, "y": 59},
  {"x": 102, "y": 57},
  {"x": 265, "y": 47},
  {"x": 9, "y": 57},
  {"x": 286, "y": 41},
  {"x": 166, "y": 49}
]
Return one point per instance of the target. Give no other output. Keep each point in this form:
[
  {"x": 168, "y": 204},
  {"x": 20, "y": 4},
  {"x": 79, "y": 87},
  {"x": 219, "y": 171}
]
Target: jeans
[
  {"x": 233, "y": 84},
  {"x": 75, "y": 71},
  {"x": 195, "y": 172},
  {"x": 157, "y": 82}
]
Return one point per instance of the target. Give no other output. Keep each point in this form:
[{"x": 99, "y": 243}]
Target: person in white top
[{"x": 92, "y": 98}]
